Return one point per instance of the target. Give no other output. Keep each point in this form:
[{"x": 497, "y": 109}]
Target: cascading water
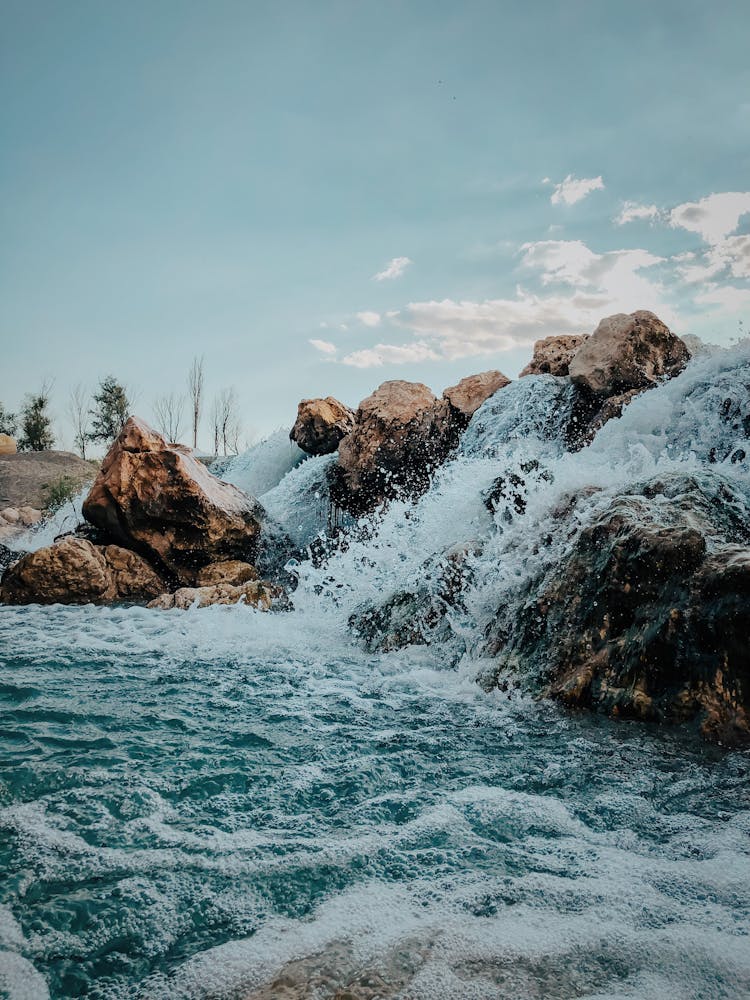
[{"x": 222, "y": 803}]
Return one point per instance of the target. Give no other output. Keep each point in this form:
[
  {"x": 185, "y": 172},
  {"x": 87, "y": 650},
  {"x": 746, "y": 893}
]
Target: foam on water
[
  {"x": 263, "y": 466},
  {"x": 222, "y": 803}
]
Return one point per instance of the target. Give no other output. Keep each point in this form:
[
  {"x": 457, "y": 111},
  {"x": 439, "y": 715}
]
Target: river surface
[{"x": 221, "y": 804}]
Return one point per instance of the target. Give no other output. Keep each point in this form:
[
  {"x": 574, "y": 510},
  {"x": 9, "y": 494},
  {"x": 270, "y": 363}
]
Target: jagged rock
[
  {"x": 156, "y": 498},
  {"x": 29, "y": 478},
  {"x": 401, "y": 433},
  {"x": 552, "y": 355},
  {"x": 75, "y": 571},
  {"x": 466, "y": 397},
  {"x": 231, "y": 571},
  {"x": 321, "y": 424},
  {"x": 255, "y": 593},
  {"x": 648, "y": 614},
  {"x": 628, "y": 352},
  {"x": 7, "y": 445}
]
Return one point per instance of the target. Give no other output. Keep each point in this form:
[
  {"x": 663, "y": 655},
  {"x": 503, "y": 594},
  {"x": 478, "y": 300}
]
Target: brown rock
[
  {"x": 628, "y": 352},
  {"x": 466, "y": 397},
  {"x": 156, "y": 498},
  {"x": 27, "y": 478},
  {"x": 321, "y": 424},
  {"x": 255, "y": 593},
  {"x": 231, "y": 571},
  {"x": 552, "y": 355},
  {"x": 401, "y": 433},
  {"x": 7, "y": 445},
  {"x": 75, "y": 571}
]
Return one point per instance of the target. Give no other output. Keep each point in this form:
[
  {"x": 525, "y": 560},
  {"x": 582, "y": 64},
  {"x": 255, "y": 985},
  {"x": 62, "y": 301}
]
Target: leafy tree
[
  {"x": 36, "y": 423},
  {"x": 8, "y": 421},
  {"x": 110, "y": 412}
]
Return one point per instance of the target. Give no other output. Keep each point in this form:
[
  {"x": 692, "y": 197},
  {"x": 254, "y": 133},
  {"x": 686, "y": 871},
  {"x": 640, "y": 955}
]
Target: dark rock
[{"x": 321, "y": 424}]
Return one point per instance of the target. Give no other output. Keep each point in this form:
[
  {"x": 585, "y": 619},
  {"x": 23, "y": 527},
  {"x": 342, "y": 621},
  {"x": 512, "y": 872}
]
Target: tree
[
  {"x": 36, "y": 423},
  {"x": 226, "y": 422},
  {"x": 8, "y": 421},
  {"x": 195, "y": 392},
  {"x": 168, "y": 411},
  {"x": 78, "y": 411},
  {"x": 110, "y": 412}
]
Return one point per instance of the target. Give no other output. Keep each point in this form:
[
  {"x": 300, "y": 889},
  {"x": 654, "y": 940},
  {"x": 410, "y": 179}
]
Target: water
[{"x": 225, "y": 804}]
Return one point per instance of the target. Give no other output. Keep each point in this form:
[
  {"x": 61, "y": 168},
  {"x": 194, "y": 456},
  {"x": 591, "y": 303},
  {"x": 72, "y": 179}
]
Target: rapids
[{"x": 222, "y": 803}]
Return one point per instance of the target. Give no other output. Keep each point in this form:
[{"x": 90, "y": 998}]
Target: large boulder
[
  {"x": 647, "y": 614},
  {"x": 157, "y": 499},
  {"x": 321, "y": 424},
  {"x": 467, "y": 396},
  {"x": 75, "y": 571},
  {"x": 401, "y": 433},
  {"x": 627, "y": 352},
  {"x": 7, "y": 445},
  {"x": 35, "y": 478},
  {"x": 552, "y": 355}
]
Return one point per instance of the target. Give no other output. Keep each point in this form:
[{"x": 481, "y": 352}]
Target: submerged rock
[
  {"x": 255, "y": 593},
  {"x": 321, "y": 424},
  {"x": 76, "y": 571},
  {"x": 552, "y": 355},
  {"x": 156, "y": 498},
  {"x": 648, "y": 614}
]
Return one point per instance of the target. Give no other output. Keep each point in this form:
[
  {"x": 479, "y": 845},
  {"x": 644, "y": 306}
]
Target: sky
[{"x": 322, "y": 196}]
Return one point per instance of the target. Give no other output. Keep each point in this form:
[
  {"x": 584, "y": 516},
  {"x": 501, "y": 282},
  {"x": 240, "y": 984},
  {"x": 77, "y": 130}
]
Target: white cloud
[
  {"x": 574, "y": 189},
  {"x": 393, "y": 269},
  {"x": 728, "y": 298},
  {"x": 714, "y": 217},
  {"x": 369, "y": 318},
  {"x": 383, "y": 354},
  {"x": 324, "y": 346},
  {"x": 631, "y": 211}
]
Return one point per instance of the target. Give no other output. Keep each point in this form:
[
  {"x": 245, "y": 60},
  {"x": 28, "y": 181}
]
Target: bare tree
[
  {"x": 168, "y": 411},
  {"x": 195, "y": 393},
  {"x": 79, "y": 404},
  {"x": 226, "y": 422}
]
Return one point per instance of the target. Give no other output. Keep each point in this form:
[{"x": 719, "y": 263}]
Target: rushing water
[{"x": 226, "y": 804}]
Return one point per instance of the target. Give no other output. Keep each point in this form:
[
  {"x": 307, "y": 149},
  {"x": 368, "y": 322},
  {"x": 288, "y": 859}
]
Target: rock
[
  {"x": 75, "y": 571},
  {"x": 401, "y": 433},
  {"x": 7, "y": 445},
  {"x": 255, "y": 593},
  {"x": 648, "y": 613},
  {"x": 231, "y": 571},
  {"x": 156, "y": 498},
  {"x": 7, "y": 556},
  {"x": 552, "y": 355},
  {"x": 29, "y": 516},
  {"x": 321, "y": 424},
  {"x": 466, "y": 397},
  {"x": 30, "y": 478},
  {"x": 627, "y": 352},
  {"x": 11, "y": 515}
]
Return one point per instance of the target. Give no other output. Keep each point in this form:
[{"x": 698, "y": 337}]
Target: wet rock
[
  {"x": 255, "y": 593},
  {"x": 467, "y": 396},
  {"x": 157, "y": 499},
  {"x": 647, "y": 616},
  {"x": 8, "y": 557},
  {"x": 552, "y": 355},
  {"x": 75, "y": 571},
  {"x": 7, "y": 445},
  {"x": 509, "y": 492},
  {"x": 628, "y": 352},
  {"x": 401, "y": 434},
  {"x": 231, "y": 571},
  {"x": 321, "y": 424}
]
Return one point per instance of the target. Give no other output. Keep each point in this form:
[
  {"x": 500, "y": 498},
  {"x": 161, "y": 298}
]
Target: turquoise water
[{"x": 193, "y": 803}]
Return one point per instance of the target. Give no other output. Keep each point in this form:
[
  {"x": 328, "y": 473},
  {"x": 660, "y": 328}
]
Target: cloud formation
[
  {"x": 324, "y": 346},
  {"x": 714, "y": 217},
  {"x": 574, "y": 189},
  {"x": 631, "y": 211},
  {"x": 369, "y": 318},
  {"x": 393, "y": 269},
  {"x": 381, "y": 354}
]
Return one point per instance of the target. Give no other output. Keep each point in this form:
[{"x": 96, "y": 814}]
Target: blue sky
[{"x": 230, "y": 178}]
